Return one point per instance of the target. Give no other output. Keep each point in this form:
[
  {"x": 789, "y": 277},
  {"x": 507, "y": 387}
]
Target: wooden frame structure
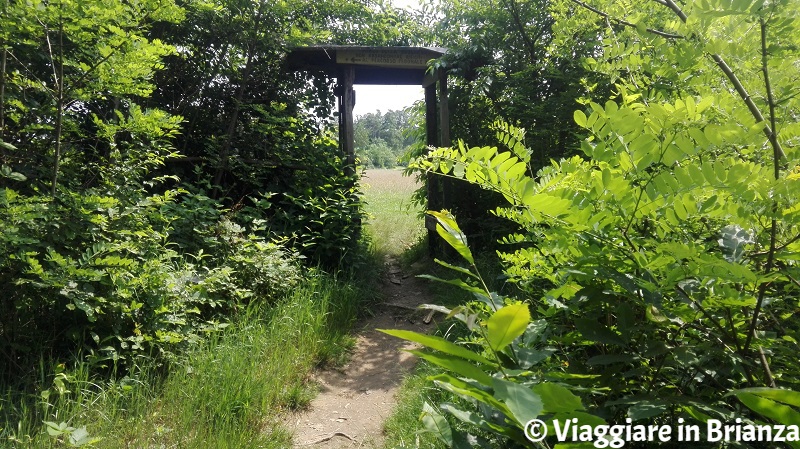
[{"x": 352, "y": 65}]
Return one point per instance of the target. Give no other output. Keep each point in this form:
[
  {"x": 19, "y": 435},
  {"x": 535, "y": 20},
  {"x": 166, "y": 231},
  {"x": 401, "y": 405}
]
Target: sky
[{"x": 387, "y": 98}]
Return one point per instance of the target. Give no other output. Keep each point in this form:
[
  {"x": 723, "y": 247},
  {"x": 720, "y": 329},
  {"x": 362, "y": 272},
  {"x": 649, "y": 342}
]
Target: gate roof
[{"x": 373, "y": 65}]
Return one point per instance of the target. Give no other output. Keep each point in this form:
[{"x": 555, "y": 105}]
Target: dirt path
[{"x": 355, "y": 400}]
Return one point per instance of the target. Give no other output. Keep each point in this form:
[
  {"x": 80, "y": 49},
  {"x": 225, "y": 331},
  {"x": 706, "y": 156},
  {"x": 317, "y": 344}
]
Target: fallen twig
[{"x": 329, "y": 437}]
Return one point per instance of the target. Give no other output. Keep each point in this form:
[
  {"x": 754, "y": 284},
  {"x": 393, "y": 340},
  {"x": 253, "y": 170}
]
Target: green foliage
[
  {"x": 228, "y": 391},
  {"x": 501, "y": 383},
  {"x": 664, "y": 262},
  {"x": 127, "y": 292},
  {"x": 70, "y": 75},
  {"x": 504, "y": 62},
  {"x": 102, "y": 253},
  {"x": 321, "y": 221}
]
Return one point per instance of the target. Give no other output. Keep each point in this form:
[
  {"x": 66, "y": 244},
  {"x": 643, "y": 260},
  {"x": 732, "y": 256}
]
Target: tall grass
[
  {"x": 403, "y": 429},
  {"x": 227, "y": 393},
  {"x": 394, "y": 224}
]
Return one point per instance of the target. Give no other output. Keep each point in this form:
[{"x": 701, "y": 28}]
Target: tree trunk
[{"x": 3, "y": 59}]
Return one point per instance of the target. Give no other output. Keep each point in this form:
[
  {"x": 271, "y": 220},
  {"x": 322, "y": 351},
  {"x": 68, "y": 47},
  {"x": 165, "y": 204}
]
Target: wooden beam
[
  {"x": 446, "y": 185},
  {"x": 428, "y": 79}
]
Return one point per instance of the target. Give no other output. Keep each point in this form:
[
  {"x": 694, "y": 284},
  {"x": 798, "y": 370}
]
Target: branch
[
  {"x": 625, "y": 22},
  {"x": 751, "y": 105},
  {"x": 518, "y": 22},
  {"x": 778, "y": 248},
  {"x": 708, "y": 316},
  {"x": 765, "y": 364},
  {"x": 777, "y": 154}
]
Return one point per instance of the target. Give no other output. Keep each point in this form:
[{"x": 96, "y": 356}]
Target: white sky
[{"x": 387, "y": 98}]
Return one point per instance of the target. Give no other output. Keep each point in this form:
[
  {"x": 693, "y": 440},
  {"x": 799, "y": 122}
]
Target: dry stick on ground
[{"x": 329, "y": 437}]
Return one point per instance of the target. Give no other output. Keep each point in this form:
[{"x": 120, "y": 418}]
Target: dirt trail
[{"x": 355, "y": 400}]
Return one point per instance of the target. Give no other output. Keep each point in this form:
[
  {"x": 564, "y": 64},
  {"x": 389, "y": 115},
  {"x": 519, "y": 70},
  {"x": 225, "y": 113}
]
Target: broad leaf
[
  {"x": 448, "y": 229},
  {"x": 439, "y": 344},
  {"x": 557, "y": 398},
  {"x": 505, "y": 325},
  {"x": 469, "y": 391},
  {"x": 523, "y": 403},
  {"x": 436, "y": 424},
  {"x": 456, "y": 365},
  {"x": 789, "y": 397},
  {"x": 782, "y": 414}
]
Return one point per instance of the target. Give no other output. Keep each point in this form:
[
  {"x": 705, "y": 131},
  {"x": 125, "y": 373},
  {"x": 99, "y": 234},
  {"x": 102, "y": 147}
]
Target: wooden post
[
  {"x": 446, "y": 185},
  {"x": 444, "y": 111},
  {"x": 347, "y": 100},
  {"x": 433, "y": 181}
]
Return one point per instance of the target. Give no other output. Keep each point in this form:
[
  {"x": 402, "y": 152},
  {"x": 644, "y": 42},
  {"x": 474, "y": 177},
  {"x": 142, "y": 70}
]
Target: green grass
[
  {"x": 403, "y": 429},
  {"x": 394, "y": 224},
  {"x": 230, "y": 392}
]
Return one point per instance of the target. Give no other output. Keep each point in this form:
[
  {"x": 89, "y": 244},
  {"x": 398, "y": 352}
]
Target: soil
[{"x": 355, "y": 400}]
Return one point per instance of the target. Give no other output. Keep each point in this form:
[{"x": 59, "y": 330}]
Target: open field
[{"x": 394, "y": 222}]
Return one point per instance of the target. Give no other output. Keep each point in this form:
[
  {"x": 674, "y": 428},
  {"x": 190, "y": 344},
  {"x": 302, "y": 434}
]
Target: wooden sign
[{"x": 399, "y": 58}]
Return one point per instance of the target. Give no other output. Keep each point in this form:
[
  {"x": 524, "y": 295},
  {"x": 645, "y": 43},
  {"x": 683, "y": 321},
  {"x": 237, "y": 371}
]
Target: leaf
[
  {"x": 789, "y": 397},
  {"x": 439, "y": 344},
  {"x": 523, "y": 403},
  {"x": 448, "y": 229},
  {"x": 646, "y": 409},
  {"x": 436, "y": 424},
  {"x": 468, "y": 391},
  {"x": 557, "y": 398},
  {"x": 653, "y": 314},
  {"x": 580, "y": 118},
  {"x": 457, "y": 282},
  {"x": 733, "y": 242},
  {"x": 528, "y": 357},
  {"x": 505, "y": 325},
  {"x": 782, "y": 414},
  {"x": 456, "y": 268},
  {"x": 80, "y": 437},
  {"x": 54, "y": 429},
  {"x": 456, "y": 365}
]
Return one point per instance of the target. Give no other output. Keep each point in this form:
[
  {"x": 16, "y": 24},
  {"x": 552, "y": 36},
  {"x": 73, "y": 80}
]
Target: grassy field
[{"x": 394, "y": 222}]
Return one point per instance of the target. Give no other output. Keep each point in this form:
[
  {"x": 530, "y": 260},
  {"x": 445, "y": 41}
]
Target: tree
[
  {"x": 381, "y": 139},
  {"x": 70, "y": 68},
  {"x": 503, "y": 63},
  {"x": 662, "y": 263}
]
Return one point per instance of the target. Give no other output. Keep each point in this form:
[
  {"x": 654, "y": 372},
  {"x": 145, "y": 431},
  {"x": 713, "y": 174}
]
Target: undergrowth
[{"x": 229, "y": 391}]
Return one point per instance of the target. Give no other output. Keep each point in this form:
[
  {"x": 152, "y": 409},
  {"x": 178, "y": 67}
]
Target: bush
[
  {"x": 93, "y": 274},
  {"x": 664, "y": 261}
]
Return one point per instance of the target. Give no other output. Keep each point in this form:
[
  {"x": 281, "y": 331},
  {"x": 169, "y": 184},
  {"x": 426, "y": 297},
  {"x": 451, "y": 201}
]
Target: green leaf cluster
[
  {"x": 494, "y": 371},
  {"x": 664, "y": 260}
]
